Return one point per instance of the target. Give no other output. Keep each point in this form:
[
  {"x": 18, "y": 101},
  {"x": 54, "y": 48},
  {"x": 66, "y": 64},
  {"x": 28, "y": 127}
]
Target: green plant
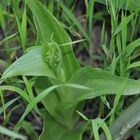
[
  {"x": 11, "y": 134},
  {"x": 61, "y": 84}
]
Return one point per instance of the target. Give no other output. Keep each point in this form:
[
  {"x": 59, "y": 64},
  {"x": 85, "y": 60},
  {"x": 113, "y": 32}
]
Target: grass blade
[
  {"x": 127, "y": 120},
  {"x": 7, "y": 132}
]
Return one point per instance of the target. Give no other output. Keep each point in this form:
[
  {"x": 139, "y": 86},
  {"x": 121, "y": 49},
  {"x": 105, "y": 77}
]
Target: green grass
[{"x": 50, "y": 83}]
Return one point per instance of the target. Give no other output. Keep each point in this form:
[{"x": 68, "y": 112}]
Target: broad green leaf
[
  {"x": 55, "y": 131},
  {"x": 47, "y": 25},
  {"x": 30, "y": 64},
  {"x": 101, "y": 82},
  {"x": 50, "y": 101}
]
